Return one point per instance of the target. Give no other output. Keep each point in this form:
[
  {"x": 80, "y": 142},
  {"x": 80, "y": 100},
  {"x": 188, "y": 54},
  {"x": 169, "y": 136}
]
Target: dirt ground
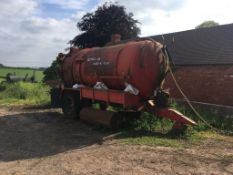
[{"x": 41, "y": 142}]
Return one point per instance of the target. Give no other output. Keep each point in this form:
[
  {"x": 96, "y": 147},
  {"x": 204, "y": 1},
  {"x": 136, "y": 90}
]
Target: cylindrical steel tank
[{"x": 139, "y": 63}]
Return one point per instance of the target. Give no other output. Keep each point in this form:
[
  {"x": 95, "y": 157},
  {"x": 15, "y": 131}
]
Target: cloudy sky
[{"x": 32, "y": 32}]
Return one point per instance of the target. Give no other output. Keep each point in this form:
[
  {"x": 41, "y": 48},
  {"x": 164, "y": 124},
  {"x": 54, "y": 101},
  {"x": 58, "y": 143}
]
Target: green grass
[
  {"x": 148, "y": 130},
  {"x": 148, "y": 122},
  {"x": 22, "y": 93},
  {"x": 151, "y": 140},
  {"x": 194, "y": 138},
  {"x": 218, "y": 122},
  {"x": 21, "y": 72}
]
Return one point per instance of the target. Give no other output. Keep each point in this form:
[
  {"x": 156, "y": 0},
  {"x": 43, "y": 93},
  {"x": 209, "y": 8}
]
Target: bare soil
[{"x": 41, "y": 142}]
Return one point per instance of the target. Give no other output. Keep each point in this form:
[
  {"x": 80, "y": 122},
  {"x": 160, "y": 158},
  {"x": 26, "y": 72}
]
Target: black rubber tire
[
  {"x": 55, "y": 96},
  {"x": 71, "y": 105}
]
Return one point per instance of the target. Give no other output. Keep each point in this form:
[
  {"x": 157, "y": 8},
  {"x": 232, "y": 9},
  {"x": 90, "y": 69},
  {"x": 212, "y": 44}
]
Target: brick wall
[{"x": 210, "y": 84}]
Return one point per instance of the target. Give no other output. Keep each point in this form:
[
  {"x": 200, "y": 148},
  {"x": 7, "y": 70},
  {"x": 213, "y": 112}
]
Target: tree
[
  {"x": 207, "y": 24},
  {"x": 97, "y": 27},
  {"x": 51, "y": 72}
]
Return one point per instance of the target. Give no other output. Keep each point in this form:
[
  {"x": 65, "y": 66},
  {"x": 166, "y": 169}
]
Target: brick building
[{"x": 204, "y": 64}]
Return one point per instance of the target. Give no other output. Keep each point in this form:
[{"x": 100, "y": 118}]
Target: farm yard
[
  {"x": 116, "y": 88},
  {"x": 37, "y": 139},
  {"x": 44, "y": 142}
]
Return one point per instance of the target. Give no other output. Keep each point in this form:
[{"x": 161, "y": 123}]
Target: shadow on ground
[{"x": 40, "y": 134}]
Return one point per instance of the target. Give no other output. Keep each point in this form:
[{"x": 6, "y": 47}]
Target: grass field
[
  {"x": 21, "y": 72},
  {"x": 24, "y": 94}
]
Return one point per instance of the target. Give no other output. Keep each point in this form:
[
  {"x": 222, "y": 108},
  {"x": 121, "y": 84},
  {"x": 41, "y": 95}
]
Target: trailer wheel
[{"x": 70, "y": 105}]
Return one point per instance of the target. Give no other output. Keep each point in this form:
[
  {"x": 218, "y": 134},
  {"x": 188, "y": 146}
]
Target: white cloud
[
  {"x": 30, "y": 40},
  {"x": 167, "y": 16},
  {"x": 17, "y": 8},
  {"x": 138, "y": 6},
  {"x": 37, "y": 42},
  {"x": 27, "y": 39},
  {"x": 194, "y": 13}
]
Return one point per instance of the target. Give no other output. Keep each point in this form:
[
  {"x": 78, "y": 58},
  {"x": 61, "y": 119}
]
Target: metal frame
[{"x": 110, "y": 96}]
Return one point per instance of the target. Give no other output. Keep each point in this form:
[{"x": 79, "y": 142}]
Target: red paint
[
  {"x": 111, "y": 96},
  {"x": 174, "y": 115},
  {"x": 135, "y": 62},
  {"x": 130, "y": 100}
]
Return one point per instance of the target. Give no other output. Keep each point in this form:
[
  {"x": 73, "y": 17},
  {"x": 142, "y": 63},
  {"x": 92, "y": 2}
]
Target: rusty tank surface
[
  {"x": 128, "y": 74},
  {"x": 137, "y": 63}
]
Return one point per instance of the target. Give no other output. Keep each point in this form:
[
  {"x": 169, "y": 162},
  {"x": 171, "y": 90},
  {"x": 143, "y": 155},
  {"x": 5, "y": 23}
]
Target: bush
[
  {"x": 51, "y": 72},
  {"x": 25, "y": 93},
  {"x": 148, "y": 122},
  {"x": 212, "y": 117}
]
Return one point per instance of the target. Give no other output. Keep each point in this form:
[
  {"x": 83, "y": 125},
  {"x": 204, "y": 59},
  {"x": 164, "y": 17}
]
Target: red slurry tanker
[{"x": 127, "y": 74}]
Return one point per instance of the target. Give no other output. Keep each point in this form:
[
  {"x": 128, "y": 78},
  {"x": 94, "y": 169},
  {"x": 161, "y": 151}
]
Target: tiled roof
[{"x": 201, "y": 46}]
